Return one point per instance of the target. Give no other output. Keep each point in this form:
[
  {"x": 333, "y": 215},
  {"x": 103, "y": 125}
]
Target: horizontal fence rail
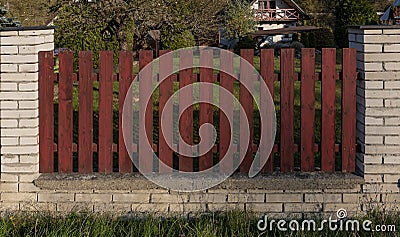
[{"x": 81, "y": 112}]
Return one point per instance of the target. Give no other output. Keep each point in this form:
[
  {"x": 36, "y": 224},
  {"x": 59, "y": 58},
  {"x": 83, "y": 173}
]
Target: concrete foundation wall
[
  {"x": 374, "y": 187},
  {"x": 279, "y": 196}
]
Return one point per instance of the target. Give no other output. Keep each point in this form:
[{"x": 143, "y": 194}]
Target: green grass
[{"x": 226, "y": 224}]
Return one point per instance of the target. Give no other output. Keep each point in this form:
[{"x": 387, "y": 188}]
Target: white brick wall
[
  {"x": 19, "y": 101},
  {"x": 378, "y": 102}
]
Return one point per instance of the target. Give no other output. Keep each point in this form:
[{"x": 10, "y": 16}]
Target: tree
[
  {"x": 320, "y": 12},
  {"x": 205, "y": 19},
  {"x": 76, "y": 32},
  {"x": 349, "y": 12},
  {"x": 188, "y": 22},
  {"x": 127, "y": 22},
  {"x": 114, "y": 20},
  {"x": 31, "y": 13},
  {"x": 175, "y": 32},
  {"x": 176, "y": 41},
  {"x": 382, "y": 5},
  {"x": 7, "y": 21},
  {"x": 239, "y": 19}
]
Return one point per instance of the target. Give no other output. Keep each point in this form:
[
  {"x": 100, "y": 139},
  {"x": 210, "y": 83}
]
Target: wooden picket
[
  {"x": 206, "y": 110},
  {"x": 46, "y": 112},
  {"x": 328, "y": 93},
  {"x": 226, "y": 82},
  {"x": 125, "y": 80},
  {"x": 348, "y": 112},
  {"x": 307, "y": 91},
  {"x": 85, "y": 123},
  {"x": 65, "y": 122},
  {"x": 267, "y": 73},
  {"x": 106, "y": 112},
  {"x": 287, "y": 110},
  {"x": 165, "y": 152},
  {"x": 185, "y": 98},
  {"x": 246, "y": 100},
  {"x": 105, "y": 148},
  {"x": 146, "y": 118}
]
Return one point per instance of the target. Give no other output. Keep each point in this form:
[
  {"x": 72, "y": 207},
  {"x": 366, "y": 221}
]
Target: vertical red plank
[
  {"x": 328, "y": 92},
  {"x": 349, "y": 110},
  {"x": 165, "y": 153},
  {"x": 185, "y": 98},
  {"x": 307, "y": 109},
  {"x": 46, "y": 112},
  {"x": 225, "y": 131},
  {"x": 246, "y": 100},
  {"x": 125, "y": 80},
  {"x": 146, "y": 121},
  {"x": 287, "y": 110},
  {"x": 65, "y": 125},
  {"x": 267, "y": 72},
  {"x": 85, "y": 153},
  {"x": 206, "y": 110},
  {"x": 106, "y": 112}
]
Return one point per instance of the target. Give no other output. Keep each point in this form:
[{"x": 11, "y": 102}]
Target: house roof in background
[{"x": 292, "y": 4}]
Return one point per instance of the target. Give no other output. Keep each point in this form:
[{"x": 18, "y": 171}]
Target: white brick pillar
[
  {"x": 378, "y": 106},
  {"x": 19, "y": 104}
]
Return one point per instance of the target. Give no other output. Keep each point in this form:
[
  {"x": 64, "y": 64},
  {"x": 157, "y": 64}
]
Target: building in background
[{"x": 278, "y": 14}]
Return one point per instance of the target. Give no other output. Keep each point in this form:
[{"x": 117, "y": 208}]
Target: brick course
[{"x": 19, "y": 98}]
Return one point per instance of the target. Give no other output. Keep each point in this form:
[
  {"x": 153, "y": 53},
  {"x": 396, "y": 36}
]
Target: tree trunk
[{"x": 121, "y": 38}]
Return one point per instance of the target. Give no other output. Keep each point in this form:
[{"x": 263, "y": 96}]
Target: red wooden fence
[{"x": 62, "y": 152}]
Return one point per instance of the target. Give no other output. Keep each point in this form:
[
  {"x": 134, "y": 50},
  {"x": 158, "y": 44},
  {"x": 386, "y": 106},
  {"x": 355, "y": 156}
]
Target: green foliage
[
  {"x": 7, "y": 21},
  {"x": 247, "y": 42},
  {"x": 239, "y": 19},
  {"x": 323, "y": 38},
  {"x": 175, "y": 41},
  {"x": 204, "y": 19},
  {"x": 296, "y": 37},
  {"x": 308, "y": 39},
  {"x": 72, "y": 33},
  {"x": 125, "y": 22},
  {"x": 312, "y": 40},
  {"x": 304, "y": 40},
  {"x": 350, "y": 12},
  {"x": 320, "y": 12},
  {"x": 181, "y": 23},
  {"x": 175, "y": 32}
]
